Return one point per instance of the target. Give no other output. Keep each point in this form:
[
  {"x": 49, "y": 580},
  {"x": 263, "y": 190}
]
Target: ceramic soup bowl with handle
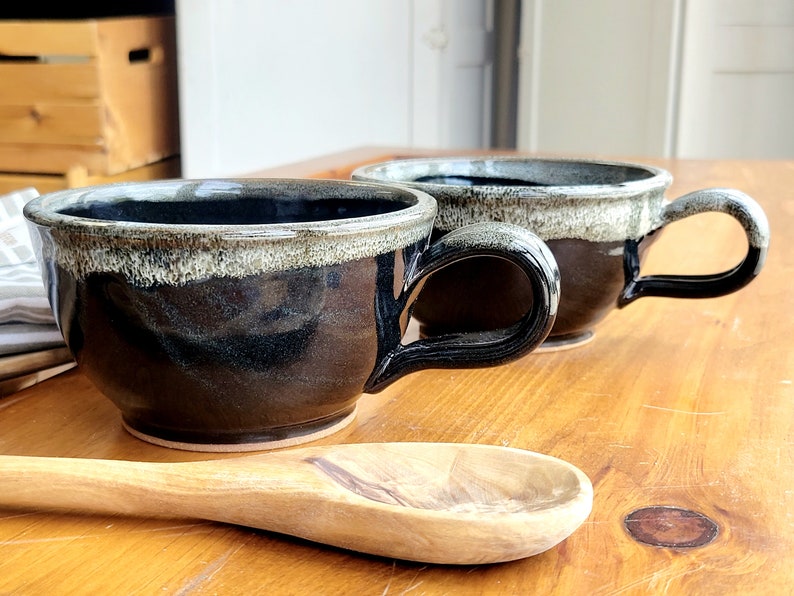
[
  {"x": 597, "y": 217},
  {"x": 229, "y": 315}
]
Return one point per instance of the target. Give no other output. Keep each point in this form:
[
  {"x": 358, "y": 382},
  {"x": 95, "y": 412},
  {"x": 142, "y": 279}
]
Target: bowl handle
[
  {"x": 722, "y": 200},
  {"x": 479, "y": 349}
]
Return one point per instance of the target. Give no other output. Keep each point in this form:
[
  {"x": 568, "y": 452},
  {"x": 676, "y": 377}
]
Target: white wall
[
  {"x": 737, "y": 80},
  {"x": 597, "y": 77},
  {"x": 267, "y": 82}
]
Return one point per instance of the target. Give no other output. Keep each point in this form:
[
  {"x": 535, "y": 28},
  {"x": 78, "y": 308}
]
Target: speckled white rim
[
  {"x": 150, "y": 253},
  {"x": 596, "y": 200}
]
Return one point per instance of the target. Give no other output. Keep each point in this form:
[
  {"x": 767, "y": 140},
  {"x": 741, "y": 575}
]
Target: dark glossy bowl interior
[
  {"x": 510, "y": 172},
  {"x": 240, "y": 211}
]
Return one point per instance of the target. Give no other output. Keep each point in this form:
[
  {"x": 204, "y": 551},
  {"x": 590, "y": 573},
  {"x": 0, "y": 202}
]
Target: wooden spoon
[{"x": 429, "y": 502}]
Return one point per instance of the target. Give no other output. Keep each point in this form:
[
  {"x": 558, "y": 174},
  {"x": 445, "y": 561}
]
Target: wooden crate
[
  {"x": 79, "y": 176},
  {"x": 99, "y": 94}
]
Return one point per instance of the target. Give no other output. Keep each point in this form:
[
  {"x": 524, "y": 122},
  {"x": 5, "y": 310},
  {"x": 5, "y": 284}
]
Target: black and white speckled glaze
[
  {"x": 598, "y": 218},
  {"x": 240, "y": 314}
]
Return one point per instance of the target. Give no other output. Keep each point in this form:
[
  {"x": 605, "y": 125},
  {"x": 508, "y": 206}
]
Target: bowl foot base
[
  {"x": 566, "y": 342},
  {"x": 298, "y": 437}
]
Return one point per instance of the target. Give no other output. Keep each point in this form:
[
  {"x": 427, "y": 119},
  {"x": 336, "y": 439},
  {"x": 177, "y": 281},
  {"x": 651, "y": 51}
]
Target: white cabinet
[
  {"x": 596, "y": 77},
  {"x": 452, "y": 66},
  {"x": 686, "y": 78},
  {"x": 737, "y": 79}
]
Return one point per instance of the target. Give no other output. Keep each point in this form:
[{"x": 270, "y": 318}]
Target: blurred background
[
  {"x": 265, "y": 82},
  {"x": 92, "y": 93}
]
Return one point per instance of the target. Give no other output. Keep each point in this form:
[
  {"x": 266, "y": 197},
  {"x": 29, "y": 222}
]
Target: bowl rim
[
  {"x": 658, "y": 178},
  {"x": 44, "y": 210}
]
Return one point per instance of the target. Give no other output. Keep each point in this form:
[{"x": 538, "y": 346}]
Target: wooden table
[{"x": 676, "y": 403}]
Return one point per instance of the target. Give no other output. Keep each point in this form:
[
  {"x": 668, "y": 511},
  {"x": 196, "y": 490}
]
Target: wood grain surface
[{"x": 676, "y": 403}]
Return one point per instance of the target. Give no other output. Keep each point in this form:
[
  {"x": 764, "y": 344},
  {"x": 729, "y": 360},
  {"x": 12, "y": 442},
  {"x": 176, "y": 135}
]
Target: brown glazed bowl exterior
[
  {"x": 597, "y": 217},
  {"x": 229, "y": 315}
]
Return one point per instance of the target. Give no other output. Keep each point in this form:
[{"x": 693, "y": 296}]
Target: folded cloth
[
  {"x": 26, "y": 319},
  {"x": 15, "y": 246},
  {"x": 17, "y": 338},
  {"x": 22, "y": 295}
]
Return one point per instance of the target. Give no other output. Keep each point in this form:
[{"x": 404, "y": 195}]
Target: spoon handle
[
  {"x": 218, "y": 490},
  {"x": 319, "y": 494}
]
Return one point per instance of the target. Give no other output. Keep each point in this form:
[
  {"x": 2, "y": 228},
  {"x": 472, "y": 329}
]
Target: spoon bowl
[{"x": 429, "y": 502}]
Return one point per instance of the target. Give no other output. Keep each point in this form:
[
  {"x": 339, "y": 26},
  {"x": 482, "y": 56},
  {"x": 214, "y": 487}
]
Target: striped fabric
[
  {"x": 26, "y": 320},
  {"x": 22, "y": 297},
  {"x": 18, "y": 339},
  {"x": 15, "y": 245}
]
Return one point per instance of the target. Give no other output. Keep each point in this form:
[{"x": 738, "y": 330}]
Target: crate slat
[
  {"x": 23, "y": 82},
  {"x": 51, "y": 159},
  {"x": 51, "y": 123},
  {"x": 43, "y": 183},
  {"x": 48, "y": 38},
  {"x": 78, "y": 176}
]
